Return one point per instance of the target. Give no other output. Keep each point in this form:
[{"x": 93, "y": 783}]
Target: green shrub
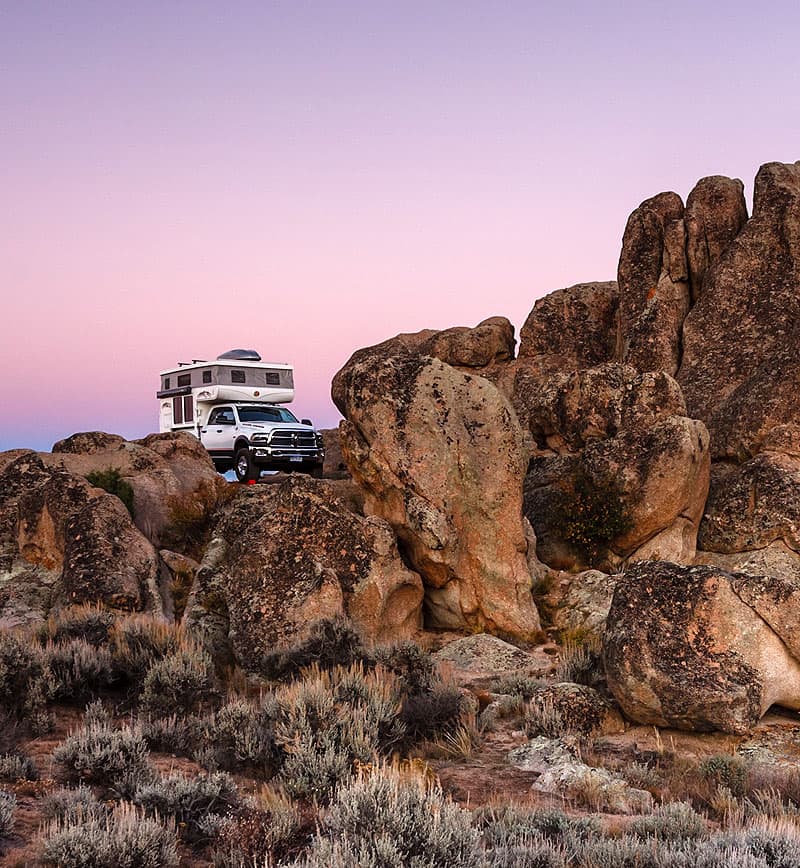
[
  {"x": 241, "y": 736},
  {"x": 675, "y": 821},
  {"x": 724, "y": 770},
  {"x": 381, "y": 820},
  {"x": 91, "y": 623},
  {"x": 8, "y": 803},
  {"x": 188, "y": 800},
  {"x": 183, "y": 680},
  {"x": 111, "y": 480},
  {"x": 73, "y": 803},
  {"x": 17, "y": 767},
  {"x": 177, "y": 734},
  {"x": 591, "y": 514},
  {"x": 125, "y": 838},
  {"x": 330, "y": 643},
  {"x": 79, "y": 670},
  {"x": 104, "y": 756},
  {"x": 332, "y": 720}
]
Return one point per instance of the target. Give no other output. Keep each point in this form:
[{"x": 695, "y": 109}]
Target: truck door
[{"x": 219, "y": 432}]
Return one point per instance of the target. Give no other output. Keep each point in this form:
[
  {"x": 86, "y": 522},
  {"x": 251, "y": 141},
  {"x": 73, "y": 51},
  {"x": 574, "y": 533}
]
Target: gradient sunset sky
[{"x": 306, "y": 178}]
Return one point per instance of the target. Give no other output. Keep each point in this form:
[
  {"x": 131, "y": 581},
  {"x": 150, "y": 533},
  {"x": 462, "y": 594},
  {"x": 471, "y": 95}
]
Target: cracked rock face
[
  {"x": 440, "y": 455},
  {"x": 286, "y": 555},
  {"x": 63, "y": 542},
  {"x": 700, "y": 648}
]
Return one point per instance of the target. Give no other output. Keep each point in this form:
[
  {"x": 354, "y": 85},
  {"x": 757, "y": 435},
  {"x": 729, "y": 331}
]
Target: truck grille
[{"x": 293, "y": 440}]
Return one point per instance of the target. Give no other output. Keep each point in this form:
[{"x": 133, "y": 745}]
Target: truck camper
[{"x": 232, "y": 404}]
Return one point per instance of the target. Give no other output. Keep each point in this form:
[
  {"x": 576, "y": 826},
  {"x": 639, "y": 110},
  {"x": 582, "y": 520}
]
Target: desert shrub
[
  {"x": 79, "y": 670},
  {"x": 413, "y": 665},
  {"x": 512, "y": 825},
  {"x": 724, "y": 770},
  {"x": 532, "y": 853},
  {"x": 177, "y": 734},
  {"x": 641, "y": 776},
  {"x": 97, "y": 714},
  {"x": 780, "y": 781},
  {"x": 433, "y": 713},
  {"x": 74, "y": 802},
  {"x": 8, "y": 802},
  {"x": 379, "y": 819},
  {"x": 675, "y": 821},
  {"x": 241, "y": 736},
  {"x": 124, "y": 838},
  {"x": 591, "y": 514},
  {"x": 183, "y": 680},
  {"x": 104, "y": 756},
  {"x": 17, "y": 767},
  {"x": 776, "y": 842},
  {"x": 581, "y": 664},
  {"x": 111, "y": 480},
  {"x": 188, "y": 800},
  {"x": 519, "y": 685},
  {"x": 544, "y": 718},
  {"x": 91, "y": 623},
  {"x": 22, "y": 667},
  {"x": 266, "y": 830},
  {"x": 330, "y": 643},
  {"x": 140, "y": 641},
  {"x": 331, "y": 720}
]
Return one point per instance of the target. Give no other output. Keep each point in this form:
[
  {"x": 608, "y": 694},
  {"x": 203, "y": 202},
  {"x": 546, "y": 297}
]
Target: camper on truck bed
[{"x": 231, "y": 405}]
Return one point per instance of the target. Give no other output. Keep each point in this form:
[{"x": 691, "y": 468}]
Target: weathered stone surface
[
  {"x": 162, "y": 469},
  {"x": 715, "y": 214},
  {"x": 540, "y": 754},
  {"x": 485, "y": 654},
  {"x": 63, "y": 542},
  {"x": 653, "y": 277},
  {"x": 334, "y": 467},
  {"x": 741, "y": 339},
  {"x": 581, "y": 602},
  {"x": 582, "y": 710},
  {"x": 283, "y": 556},
  {"x": 440, "y": 455},
  {"x": 570, "y": 329},
  {"x": 753, "y": 504},
  {"x": 682, "y": 649}
]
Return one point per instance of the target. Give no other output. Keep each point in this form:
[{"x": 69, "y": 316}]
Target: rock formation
[
  {"x": 440, "y": 455},
  {"x": 283, "y": 556}
]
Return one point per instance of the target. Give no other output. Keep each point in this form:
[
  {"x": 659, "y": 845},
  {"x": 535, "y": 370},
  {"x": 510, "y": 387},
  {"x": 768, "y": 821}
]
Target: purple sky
[{"x": 180, "y": 178}]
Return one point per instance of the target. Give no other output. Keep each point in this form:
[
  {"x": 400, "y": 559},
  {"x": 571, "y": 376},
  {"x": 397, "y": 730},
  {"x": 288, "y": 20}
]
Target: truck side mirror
[{"x": 306, "y": 422}]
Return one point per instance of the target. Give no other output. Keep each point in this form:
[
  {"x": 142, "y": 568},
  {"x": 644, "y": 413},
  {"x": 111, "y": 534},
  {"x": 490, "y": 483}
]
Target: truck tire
[{"x": 245, "y": 468}]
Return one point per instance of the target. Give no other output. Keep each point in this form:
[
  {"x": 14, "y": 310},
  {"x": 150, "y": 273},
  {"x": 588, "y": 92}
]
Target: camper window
[
  {"x": 182, "y": 410},
  {"x": 184, "y": 379},
  {"x": 273, "y": 378},
  {"x": 166, "y": 382},
  {"x": 237, "y": 376},
  {"x": 177, "y": 411},
  {"x": 206, "y": 376}
]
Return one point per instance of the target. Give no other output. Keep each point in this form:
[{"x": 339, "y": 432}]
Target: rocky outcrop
[
  {"x": 63, "y": 542},
  {"x": 285, "y": 555},
  {"x": 440, "y": 455},
  {"x": 579, "y": 603},
  {"x": 740, "y": 341},
  {"x": 164, "y": 470},
  {"x": 702, "y": 649},
  {"x": 623, "y": 436},
  {"x": 581, "y": 710}
]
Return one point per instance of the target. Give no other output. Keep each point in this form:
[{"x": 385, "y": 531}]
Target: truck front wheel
[{"x": 245, "y": 468}]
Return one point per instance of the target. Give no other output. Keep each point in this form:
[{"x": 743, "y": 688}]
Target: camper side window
[
  {"x": 273, "y": 378},
  {"x": 237, "y": 376},
  {"x": 206, "y": 376},
  {"x": 184, "y": 379},
  {"x": 182, "y": 410}
]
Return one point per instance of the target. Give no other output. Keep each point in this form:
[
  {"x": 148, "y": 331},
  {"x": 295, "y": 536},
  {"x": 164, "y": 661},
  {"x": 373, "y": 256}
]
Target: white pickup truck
[{"x": 232, "y": 406}]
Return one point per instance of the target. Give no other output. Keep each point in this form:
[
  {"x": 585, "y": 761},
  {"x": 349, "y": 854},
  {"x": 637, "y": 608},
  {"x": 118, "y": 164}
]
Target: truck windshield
[{"x": 265, "y": 414}]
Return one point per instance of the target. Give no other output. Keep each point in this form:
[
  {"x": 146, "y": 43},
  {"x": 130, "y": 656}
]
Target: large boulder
[
  {"x": 741, "y": 339},
  {"x": 166, "y": 472},
  {"x": 440, "y": 455},
  {"x": 283, "y": 556},
  {"x": 653, "y": 277},
  {"x": 700, "y": 648},
  {"x": 63, "y": 542}
]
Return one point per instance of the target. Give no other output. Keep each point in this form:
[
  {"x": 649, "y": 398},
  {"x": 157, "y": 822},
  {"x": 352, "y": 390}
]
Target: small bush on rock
[
  {"x": 111, "y": 480},
  {"x": 188, "y": 800},
  {"x": 330, "y": 643},
  {"x": 581, "y": 664},
  {"x": 17, "y": 767},
  {"x": 105, "y": 756},
  {"x": 183, "y": 680},
  {"x": 125, "y": 838}
]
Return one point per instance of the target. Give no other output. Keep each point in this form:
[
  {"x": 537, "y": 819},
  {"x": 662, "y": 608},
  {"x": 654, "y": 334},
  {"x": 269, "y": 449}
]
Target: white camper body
[{"x": 190, "y": 391}]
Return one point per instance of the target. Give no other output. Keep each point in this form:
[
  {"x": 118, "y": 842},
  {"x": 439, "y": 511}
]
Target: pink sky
[{"x": 308, "y": 178}]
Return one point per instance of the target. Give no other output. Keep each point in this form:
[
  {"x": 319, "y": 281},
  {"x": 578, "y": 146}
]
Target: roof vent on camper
[{"x": 241, "y": 356}]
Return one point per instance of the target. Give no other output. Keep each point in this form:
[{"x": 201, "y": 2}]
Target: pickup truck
[{"x": 249, "y": 438}]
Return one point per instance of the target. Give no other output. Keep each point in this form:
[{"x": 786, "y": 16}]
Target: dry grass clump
[
  {"x": 124, "y": 838},
  {"x": 22, "y": 673},
  {"x": 89, "y": 622},
  {"x": 79, "y": 670},
  {"x": 240, "y": 736},
  {"x": 73, "y": 802},
  {"x": 17, "y": 767},
  {"x": 184, "y": 680},
  {"x": 8, "y": 802},
  {"x": 581, "y": 663}
]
